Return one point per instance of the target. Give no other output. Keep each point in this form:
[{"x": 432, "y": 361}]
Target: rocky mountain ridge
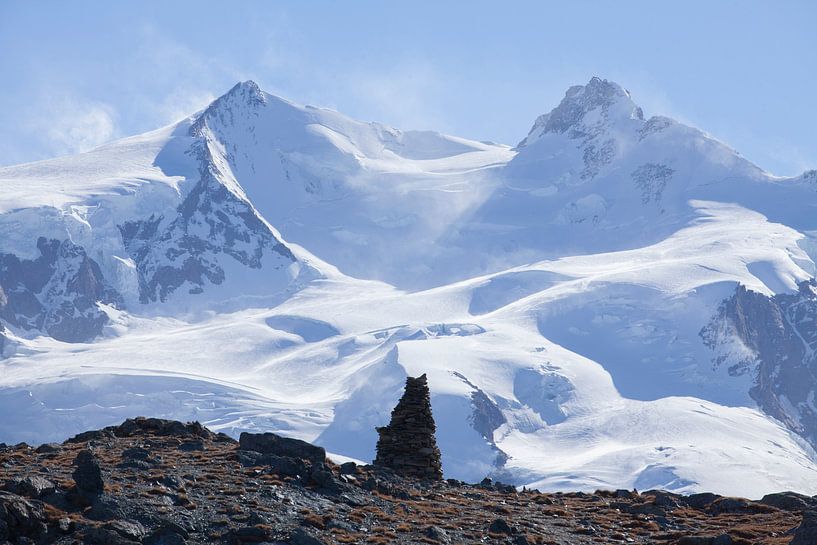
[
  {"x": 156, "y": 482},
  {"x": 267, "y": 265}
]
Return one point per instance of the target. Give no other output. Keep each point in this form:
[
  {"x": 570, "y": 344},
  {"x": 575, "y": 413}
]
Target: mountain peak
[
  {"x": 248, "y": 91},
  {"x": 243, "y": 94},
  {"x": 610, "y": 99}
]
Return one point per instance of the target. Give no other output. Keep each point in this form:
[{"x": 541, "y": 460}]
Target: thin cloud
[{"x": 73, "y": 125}]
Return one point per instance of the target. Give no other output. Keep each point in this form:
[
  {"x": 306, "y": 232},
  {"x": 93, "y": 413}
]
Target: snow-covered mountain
[{"x": 615, "y": 302}]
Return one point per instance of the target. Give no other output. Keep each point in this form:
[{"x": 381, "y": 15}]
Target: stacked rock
[{"x": 407, "y": 445}]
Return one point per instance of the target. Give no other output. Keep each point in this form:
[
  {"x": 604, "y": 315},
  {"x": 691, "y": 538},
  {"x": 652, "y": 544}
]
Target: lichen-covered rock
[{"x": 408, "y": 445}]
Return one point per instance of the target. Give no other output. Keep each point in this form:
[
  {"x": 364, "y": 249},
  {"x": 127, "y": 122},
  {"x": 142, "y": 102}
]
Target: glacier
[{"x": 591, "y": 306}]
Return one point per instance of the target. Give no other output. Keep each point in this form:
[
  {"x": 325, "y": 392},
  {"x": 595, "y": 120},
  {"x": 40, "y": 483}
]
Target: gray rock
[
  {"x": 93, "y": 435},
  {"x": 128, "y": 529},
  {"x": 88, "y": 475},
  {"x": 270, "y": 443},
  {"x": 806, "y": 533},
  {"x": 699, "y": 501},
  {"x": 437, "y": 534},
  {"x": 20, "y": 518},
  {"x": 252, "y": 534},
  {"x": 32, "y": 486},
  {"x": 789, "y": 501},
  {"x": 65, "y": 525},
  {"x": 499, "y": 526},
  {"x": 94, "y": 535},
  {"x": 168, "y": 533},
  {"x": 325, "y": 479},
  {"x": 56, "y": 293},
  {"x": 301, "y": 536},
  {"x": 48, "y": 448}
]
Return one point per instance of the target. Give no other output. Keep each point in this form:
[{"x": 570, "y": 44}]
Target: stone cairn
[{"x": 407, "y": 445}]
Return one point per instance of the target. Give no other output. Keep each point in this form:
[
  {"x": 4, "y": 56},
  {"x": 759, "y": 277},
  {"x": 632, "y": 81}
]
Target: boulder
[
  {"x": 270, "y": 443},
  {"x": 789, "y": 501},
  {"x": 32, "y": 486},
  {"x": 88, "y": 475}
]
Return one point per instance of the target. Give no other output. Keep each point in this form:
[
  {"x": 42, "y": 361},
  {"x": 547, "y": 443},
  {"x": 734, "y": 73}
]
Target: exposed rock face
[
  {"x": 88, "y": 475},
  {"x": 778, "y": 343},
  {"x": 270, "y": 443},
  {"x": 486, "y": 417},
  {"x": 407, "y": 445},
  {"x": 56, "y": 293},
  {"x": 212, "y": 222}
]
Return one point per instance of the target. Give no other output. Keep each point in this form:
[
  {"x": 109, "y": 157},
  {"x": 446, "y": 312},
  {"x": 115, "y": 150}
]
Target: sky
[{"x": 74, "y": 75}]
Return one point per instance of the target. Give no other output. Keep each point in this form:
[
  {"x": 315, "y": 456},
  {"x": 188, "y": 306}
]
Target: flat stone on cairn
[{"x": 407, "y": 445}]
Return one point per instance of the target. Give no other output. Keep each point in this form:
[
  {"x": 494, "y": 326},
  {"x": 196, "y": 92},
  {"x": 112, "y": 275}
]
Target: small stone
[
  {"x": 251, "y": 534},
  {"x": 128, "y": 529},
  {"x": 723, "y": 539},
  {"x": 324, "y": 478},
  {"x": 348, "y": 468},
  {"x": 65, "y": 525},
  {"x": 136, "y": 453},
  {"x": 437, "y": 534},
  {"x": 168, "y": 533},
  {"x": 48, "y": 448},
  {"x": 191, "y": 446}
]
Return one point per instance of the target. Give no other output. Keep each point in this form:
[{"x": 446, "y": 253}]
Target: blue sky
[{"x": 76, "y": 74}]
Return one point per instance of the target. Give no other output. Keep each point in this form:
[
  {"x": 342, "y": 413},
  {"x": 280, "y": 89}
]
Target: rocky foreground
[{"x": 160, "y": 482}]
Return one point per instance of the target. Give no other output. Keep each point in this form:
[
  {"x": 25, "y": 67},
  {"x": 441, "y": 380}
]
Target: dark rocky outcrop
[
  {"x": 781, "y": 335},
  {"x": 21, "y": 519},
  {"x": 408, "y": 445},
  {"x": 88, "y": 475},
  {"x": 286, "y": 447},
  {"x": 57, "y": 293},
  {"x": 155, "y": 426},
  {"x": 806, "y": 533}
]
